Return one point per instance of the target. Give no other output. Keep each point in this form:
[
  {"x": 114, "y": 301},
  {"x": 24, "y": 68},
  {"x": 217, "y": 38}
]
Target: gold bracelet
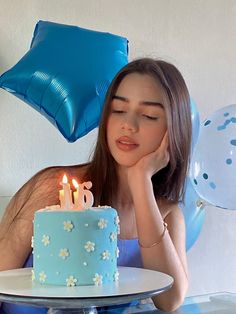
[{"x": 156, "y": 243}]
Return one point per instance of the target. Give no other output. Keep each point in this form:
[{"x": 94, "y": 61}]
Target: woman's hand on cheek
[{"x": 150, "y": 164}]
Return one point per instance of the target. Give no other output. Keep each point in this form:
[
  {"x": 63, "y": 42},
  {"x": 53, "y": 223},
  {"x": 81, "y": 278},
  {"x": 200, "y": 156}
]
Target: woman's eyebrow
[
  {"x": 120, "y": 98},
  {"x": 145, "y": 102},
  {"x": 152, "y": 103}
]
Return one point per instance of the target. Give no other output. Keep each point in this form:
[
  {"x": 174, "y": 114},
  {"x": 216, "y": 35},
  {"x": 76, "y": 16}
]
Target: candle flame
[
  {"x": 75, "y": 183},
  {"x": 64, "y": 180}
]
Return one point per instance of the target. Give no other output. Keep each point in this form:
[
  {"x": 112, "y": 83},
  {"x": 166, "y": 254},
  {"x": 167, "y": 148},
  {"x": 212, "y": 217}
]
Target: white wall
[{"x": 197, "y": 35}]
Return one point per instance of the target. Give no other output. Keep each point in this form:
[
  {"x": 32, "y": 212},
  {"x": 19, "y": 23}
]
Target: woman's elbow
[
  {"x": 171, "y": 300},
  {"x": 168, "y": 305}
]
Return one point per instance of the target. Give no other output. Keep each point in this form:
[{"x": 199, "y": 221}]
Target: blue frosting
[{"x": 76, "y": 247}]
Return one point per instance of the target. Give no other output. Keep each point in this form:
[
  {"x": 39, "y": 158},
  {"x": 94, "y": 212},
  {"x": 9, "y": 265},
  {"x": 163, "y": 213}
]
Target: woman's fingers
[
  {"x": 163, "y": 150},
  {"x": 164, "y": 143}
]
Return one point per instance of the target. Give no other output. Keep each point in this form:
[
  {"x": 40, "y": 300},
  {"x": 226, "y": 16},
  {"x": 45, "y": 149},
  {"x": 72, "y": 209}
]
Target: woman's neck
[
  {"x": 124, "y": 196},
  {"x": 125, "y": 207}
]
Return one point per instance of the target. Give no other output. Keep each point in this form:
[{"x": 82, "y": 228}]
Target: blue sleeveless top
[{"x": 129, "y": 255}]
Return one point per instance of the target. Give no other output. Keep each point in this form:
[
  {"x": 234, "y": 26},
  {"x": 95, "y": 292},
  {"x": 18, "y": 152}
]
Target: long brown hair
[{"x": 169, "y": 182}]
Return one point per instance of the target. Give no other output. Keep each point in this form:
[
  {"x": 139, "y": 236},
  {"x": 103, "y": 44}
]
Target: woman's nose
[{"x": 130, "y": 123}]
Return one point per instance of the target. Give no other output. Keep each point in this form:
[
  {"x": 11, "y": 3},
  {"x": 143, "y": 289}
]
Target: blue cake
[{"x": 72, "y": 247}]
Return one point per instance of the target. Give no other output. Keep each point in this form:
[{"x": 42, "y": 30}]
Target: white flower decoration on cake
[
  {"x": 105, "y": 255},
  {"x": 68, "y": 225},
  {"x": 102, "y": 223},
  {"x": 45, "y": 240},
  {"x": 64, "y": 253},
  {"x": 42, "y": 276},
  {"x": 118, "y": 229},
  {"x": 117, "y": 220},
  {"x": 113, "y": 236},
  {"x": 32, "y": 275},
  {"x": 117, "y": 252},
  {"x": 97, "y": 279},
  {"x": 116, "y": 276},
  {"x": 71, "y": 281},
  {"x": 89, "y": 246},
  {"x": 117, "y": 223},
  {"x": 32, "y": 242}
]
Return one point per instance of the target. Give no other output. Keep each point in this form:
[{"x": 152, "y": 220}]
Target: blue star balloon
[{"x": 66, "y": 73}]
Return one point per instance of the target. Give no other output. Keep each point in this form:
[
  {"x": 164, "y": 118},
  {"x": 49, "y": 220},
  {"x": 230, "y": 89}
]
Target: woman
[{"x": 139, "y": 168}]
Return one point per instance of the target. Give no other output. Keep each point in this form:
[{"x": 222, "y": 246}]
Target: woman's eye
[
  {"x": 150, "y": 117},
  {"x": 117, "y": 111}
]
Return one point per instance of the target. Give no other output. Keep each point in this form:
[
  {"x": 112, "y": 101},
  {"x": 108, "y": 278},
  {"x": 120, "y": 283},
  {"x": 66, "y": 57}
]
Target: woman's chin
[{"x": 126, "y": 163}]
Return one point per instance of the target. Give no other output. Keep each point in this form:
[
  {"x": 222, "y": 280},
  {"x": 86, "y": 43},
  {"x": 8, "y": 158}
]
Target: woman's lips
[{"x": 126, "y": 144}]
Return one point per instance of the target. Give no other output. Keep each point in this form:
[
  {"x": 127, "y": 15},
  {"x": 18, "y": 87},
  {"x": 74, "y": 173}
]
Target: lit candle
[
  {"x": 65, "y": 194},
  {"x": 76, "y": 194}
]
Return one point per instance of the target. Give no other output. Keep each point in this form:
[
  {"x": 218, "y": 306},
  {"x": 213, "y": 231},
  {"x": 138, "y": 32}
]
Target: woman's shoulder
[{"x": 167, "y": 207}]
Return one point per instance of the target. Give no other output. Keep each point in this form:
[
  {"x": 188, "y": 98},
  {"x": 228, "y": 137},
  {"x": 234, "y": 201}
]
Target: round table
[{"x": 16, "y": 286}]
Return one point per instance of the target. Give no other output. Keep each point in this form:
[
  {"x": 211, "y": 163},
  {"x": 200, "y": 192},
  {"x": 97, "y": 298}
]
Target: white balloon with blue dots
[{"x": 213, "y": 164}]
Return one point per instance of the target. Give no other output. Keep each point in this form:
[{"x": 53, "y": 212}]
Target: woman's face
[{"x": 137, "y": 121}]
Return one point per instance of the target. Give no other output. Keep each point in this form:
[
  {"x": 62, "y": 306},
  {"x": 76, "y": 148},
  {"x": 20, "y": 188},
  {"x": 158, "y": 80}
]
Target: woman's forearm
[{"x": 163, "y": 256}]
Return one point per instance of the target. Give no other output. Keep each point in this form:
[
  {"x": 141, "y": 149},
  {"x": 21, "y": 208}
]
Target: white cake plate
[{"x": 16, "y": 286}]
